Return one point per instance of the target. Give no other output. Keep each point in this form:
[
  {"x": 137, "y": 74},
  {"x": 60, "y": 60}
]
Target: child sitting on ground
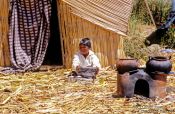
[{"x": 85, "y": 60}]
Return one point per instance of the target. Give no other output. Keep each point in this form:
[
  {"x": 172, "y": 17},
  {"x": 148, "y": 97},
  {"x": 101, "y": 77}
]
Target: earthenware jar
[
  {"x": 126, "y": 65},
  {"x": 158, "y": 64}
]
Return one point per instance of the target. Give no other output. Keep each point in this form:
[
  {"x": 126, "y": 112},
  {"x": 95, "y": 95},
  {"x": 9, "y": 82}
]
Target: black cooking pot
[{"x": 158, "y": 64}]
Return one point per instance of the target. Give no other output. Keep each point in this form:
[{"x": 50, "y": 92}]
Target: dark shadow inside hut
[{"x": 54, "y": 53}]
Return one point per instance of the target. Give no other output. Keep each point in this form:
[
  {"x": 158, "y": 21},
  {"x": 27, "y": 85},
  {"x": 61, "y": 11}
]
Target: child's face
[{"x": 84, "y": 49}]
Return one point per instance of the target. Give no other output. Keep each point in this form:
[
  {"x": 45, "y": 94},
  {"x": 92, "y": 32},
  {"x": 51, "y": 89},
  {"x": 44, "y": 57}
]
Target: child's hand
[
  {"x": 78, "y": 68},
  {"x": 97, "y": 71}
]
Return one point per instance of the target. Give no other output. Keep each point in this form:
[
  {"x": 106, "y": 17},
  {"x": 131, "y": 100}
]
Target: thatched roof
[{"x": 109, "y": 14}]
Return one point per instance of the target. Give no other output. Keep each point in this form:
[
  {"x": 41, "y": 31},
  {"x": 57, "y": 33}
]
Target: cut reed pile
[{"x": 50, "y": 92}]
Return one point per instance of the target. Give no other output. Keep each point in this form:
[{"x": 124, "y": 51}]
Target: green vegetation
[{"x": 140, "y": 26}]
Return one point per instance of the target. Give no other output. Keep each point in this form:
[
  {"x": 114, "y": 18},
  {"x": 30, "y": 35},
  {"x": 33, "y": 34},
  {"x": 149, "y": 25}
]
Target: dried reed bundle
[
  {"x": 50, "y": 92},
  {"x": 111, "y": 14}
]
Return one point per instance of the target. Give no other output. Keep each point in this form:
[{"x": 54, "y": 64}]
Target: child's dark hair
[{"x": 86, "y": 42}]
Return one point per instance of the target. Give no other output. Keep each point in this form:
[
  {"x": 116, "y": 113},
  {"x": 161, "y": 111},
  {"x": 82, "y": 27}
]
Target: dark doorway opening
[
  {"x": 54, "y": 53},
  {"x": 142, "y": 88}
]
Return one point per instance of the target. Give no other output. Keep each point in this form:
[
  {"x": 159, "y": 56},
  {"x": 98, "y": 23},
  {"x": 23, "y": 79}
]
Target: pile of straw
[{"x": 50, "y": 92}]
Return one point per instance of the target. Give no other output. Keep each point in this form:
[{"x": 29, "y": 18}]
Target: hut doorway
[
  {"x": 142, "y": 88},
  {"x": 54, "y": 54}
]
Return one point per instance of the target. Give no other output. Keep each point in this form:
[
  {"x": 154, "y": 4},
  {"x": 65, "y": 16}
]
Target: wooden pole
[
  {"x": 150, "y": 13},
  {"x": 59, "y": 13},
  {"x": 4, "y": 46}
]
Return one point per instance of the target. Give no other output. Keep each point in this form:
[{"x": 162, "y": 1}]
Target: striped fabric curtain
[{"x": 29, "y": 33}]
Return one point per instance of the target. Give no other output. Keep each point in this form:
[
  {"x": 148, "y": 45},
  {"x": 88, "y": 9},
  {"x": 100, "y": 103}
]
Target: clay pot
[
  {"x": 159, "y": 76},
  {"x": 126, "y": 65},
  {"x": 158, "y": 64}
]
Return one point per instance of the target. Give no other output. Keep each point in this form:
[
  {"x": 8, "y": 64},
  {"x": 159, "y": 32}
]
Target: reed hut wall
[
  {"x": 4, "y": 48},
  {"x": 107, "y": 45}
]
